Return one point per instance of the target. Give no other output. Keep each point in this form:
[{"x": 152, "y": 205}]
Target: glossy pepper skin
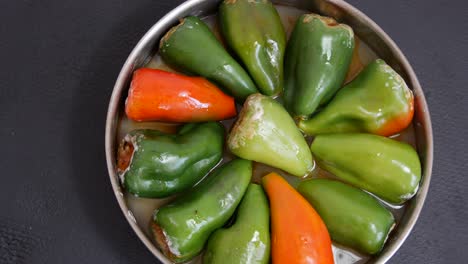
[
  {"x": 157, "y": 95},
  {"x": 378, "y": 101},
  {"x": 298, "y": 233},
  {"x": 353, "y": 217},
  {"x": 247, "y": 241},
  {"x": 182, "y": 227},
  {"x": 192, "y": 47},
  {"x": 154, "y": 164},
  {"x": 254, "y": 31},
  {"x": 266, "y": 133},
  {"x": 382, "y": 166},
  {"x": 317, "y": 59}
]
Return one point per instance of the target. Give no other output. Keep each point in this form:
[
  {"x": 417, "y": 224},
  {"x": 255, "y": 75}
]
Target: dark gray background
[{"x": 59, "y": 60}]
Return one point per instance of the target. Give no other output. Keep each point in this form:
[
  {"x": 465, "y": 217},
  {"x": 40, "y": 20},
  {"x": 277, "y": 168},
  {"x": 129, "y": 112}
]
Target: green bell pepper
[
  {"x": 192, "y": 47},
  {"x": 353, "y": 217},
  {"x": 377, "y": 101},
  {"x": 154, "y": 164},
  {"x": 382, "y": 166},
  {"x": 317, "y": 59},
  {"x": 266, "y": 133},
  {"x": 182, "y": 227},
  {"x": 254, "y": 31},
  {"x": 248, "y": 240}
]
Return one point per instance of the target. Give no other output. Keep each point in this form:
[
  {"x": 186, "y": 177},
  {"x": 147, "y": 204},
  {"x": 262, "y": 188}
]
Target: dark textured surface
[{"x": 59, "y": 61}]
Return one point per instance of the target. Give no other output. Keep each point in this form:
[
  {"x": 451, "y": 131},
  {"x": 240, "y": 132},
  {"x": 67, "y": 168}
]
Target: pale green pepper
[
  {"x": 266, "y": 133},
  {"x": 382, "y": 166},
  {"x": 353, "y": 217},
  {"x": 247, "y": 241}
]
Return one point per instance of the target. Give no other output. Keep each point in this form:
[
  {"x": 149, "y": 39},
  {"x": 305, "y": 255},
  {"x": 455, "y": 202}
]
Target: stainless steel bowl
[{"x": 363, "y": 27}]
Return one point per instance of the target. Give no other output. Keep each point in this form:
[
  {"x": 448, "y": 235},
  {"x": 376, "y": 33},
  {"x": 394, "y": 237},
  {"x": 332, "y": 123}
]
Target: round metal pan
[{"x": 364, "y": 28}]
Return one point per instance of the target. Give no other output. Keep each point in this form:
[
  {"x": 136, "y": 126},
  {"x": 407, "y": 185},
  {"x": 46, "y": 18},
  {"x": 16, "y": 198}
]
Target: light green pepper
[
  {"x": 247, "y": 241},
  {"x": 382, "y": 166},
  {"x": 266, "y": 133},
  {"x": 353, "y": 217}
]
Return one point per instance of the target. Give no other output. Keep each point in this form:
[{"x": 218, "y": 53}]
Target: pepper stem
[{"x": 124, "y": 155}]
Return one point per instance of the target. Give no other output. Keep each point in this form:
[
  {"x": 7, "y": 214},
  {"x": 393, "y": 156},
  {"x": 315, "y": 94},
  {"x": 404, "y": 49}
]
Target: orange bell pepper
[
  {"x": 157, "y": 95},
  {"x": 298, "y": 233}
]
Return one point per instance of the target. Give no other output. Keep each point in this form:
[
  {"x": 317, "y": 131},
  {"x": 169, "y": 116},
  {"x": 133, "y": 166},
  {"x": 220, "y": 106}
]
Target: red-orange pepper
[
  {"x": 157, "y": 95},
  {"x": 298, "y": 233}
]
